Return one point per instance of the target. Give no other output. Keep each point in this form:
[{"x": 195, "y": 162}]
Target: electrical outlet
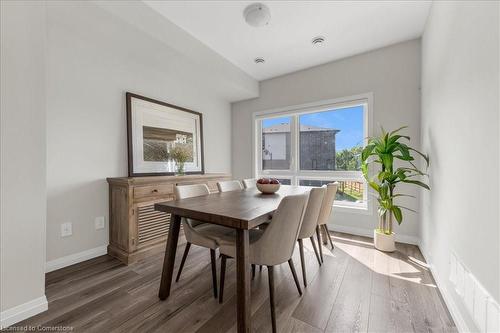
[
  {"x": 99, "y": 222},
  {"x": 66, "y": 229}
]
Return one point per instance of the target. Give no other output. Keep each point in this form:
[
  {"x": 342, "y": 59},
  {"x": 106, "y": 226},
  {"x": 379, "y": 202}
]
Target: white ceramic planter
[{"x": 384, "y": 242}]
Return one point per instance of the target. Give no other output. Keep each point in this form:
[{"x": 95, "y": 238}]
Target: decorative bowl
[{"x": 268, "y": 188}]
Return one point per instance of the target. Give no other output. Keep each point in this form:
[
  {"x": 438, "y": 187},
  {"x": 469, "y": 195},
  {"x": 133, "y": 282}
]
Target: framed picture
[{"x": 163, "y": 139}]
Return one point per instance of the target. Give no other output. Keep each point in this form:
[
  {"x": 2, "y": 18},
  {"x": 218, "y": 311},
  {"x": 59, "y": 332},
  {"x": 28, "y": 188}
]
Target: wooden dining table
[{"x": 241, "y": 210}]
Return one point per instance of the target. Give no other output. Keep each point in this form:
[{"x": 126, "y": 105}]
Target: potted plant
[
  {"x": 383, "y": 151},
  {"x": 181, "y": 153}
]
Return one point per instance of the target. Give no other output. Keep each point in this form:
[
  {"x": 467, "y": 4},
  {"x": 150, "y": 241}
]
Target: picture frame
[{"x": 154, "y": 128}]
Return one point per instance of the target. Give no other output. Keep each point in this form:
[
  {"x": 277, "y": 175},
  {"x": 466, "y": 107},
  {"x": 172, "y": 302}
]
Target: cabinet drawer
[{"x": 154, "y": 190}]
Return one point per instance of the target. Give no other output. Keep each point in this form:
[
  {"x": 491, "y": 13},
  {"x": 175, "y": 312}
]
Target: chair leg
[
  {"x": 329, "y": 236},
  {"x": 318, "y": 235},
  {"x": 271, "y": 296},
  {"x": 315, "y": 249},
  {"x": 302, "y": 263},
  {"x": 253, "y": 271},
  {"x": 214, "y": 271},
  {"x": 294, "y": 273},
  {"x": 184, "y": 256},
  {"x": 222, "y": 276},
  {"x": 323, "y": 235}
]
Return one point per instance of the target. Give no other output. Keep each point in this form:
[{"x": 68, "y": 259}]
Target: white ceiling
[{"x": 350, "y": 27}]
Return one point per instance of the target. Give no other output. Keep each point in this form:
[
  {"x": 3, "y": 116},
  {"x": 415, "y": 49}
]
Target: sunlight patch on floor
[{"x": 395, "y": 265}]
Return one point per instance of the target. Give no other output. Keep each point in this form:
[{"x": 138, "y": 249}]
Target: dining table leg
[
  {"x": 243, "y": 281},
  {"x": 169, "y": 259}
]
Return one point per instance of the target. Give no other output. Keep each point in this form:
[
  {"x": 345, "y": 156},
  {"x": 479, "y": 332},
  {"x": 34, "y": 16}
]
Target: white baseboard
[
  {"x": 33, "y": 307},
  {"x": 369, "y": 233},
  {"x": 471, "y": 306},
  {"x": 75, "y": 258},
  {"x": 18, "y": 313},
  {"x": 448, "y": 299}
]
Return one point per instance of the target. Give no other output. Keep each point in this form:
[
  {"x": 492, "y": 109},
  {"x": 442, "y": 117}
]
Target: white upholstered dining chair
[
  {"x": 310, "y": 225},
  {"x": 198, "y": 232},
  {"x": 229, "y": 185},
  {"x": 272, "y": 246},
  {"x": 249, "y": 182},
  {"x": 324, "y": 215}
]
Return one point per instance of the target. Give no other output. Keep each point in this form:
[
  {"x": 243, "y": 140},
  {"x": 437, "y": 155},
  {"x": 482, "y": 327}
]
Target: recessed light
[
  {"x": 259, "y": 60},
  {"x": 318, "y": 41}
]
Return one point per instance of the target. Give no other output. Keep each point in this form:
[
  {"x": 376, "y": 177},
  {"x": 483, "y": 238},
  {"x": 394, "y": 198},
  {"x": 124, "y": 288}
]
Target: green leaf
[
  {"x": 402, "y": 195},
  {"x": 384, "y": 175},
  {"x": 367, "y": 151},
  {"x": 394, "y": 140},
  {"x": 404, "y": 158},
  {"x": 386, "y": 139},
  {"x": 411, "y": 210},
  {"x": 401, "y": 174},
  {"x": 412, "y": 169},
  {"x": 381, "y": 211},
  {"x": 382, "y": 130},
  {"x": 398, "y": 129},
  {"x": 416, "y": 182},
  {"x": 387, "y": 160},
  {"x": 383, "y": 190},
  {"x": 374, "y": 186},
  {"x": 426, "y": 157},
  {"x": 397, "y": 214},
  {"x": 411, "y": 175},
  {"x": 364, "y": 170}
]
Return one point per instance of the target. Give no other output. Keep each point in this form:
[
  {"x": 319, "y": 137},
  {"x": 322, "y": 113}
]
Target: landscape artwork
[
  {"x": 158, "y": 143},
  {"x": 157, "y": 131}
]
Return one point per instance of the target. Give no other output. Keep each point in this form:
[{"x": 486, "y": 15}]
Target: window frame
[{"x": 295, "y": 173}]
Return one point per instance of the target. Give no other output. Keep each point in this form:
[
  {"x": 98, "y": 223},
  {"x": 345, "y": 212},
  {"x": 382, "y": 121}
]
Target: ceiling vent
[
  {"x": 259, "y": 60},
  {"x": 318, "y": 41}
]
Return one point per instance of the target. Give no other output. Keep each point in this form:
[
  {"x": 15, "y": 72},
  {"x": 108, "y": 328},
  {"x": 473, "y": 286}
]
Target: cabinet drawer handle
[{"x": 155, "y": 191}]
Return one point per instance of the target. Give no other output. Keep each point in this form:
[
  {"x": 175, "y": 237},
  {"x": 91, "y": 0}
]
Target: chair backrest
[
  {"x": 191, "y": 191},
  {"x": 229, "y": 185},
  {"x": 311, "y": 214},
  {"x": 327, "y": 205},
  {"x": 278, "y": 241},
  {"x": 250, "y": 182}
]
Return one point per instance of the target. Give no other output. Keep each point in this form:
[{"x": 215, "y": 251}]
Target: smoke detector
[
  {"x": 318, "y": 41},
  {"x": 259, "y": 60},
  {"x": 257, "y": 15}
]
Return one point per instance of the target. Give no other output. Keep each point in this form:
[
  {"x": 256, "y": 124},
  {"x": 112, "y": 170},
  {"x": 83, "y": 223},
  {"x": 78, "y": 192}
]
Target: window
[
  {"x": 349, "y": 192},
  {"x": 331, "y": 140},
  {"x": 276, "y": 144},
  {"x": 285, "y": 181},
  {"x": 315, "y": 146}
]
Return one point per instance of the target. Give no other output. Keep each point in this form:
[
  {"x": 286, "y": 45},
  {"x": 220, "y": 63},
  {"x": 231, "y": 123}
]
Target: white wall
[
  {"x": 460, "y": 126},
  {"x": 23, "y": 168},
  {"x": 392, "y": 74},
  {"x": 94, "y": 57}
]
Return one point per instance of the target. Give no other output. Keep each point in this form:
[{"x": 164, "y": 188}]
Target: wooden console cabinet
[{"x": 136, "y": 230}]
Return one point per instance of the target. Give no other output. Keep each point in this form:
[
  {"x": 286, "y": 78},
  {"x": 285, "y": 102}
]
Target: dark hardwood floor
[{"x": 358, "y": 289}]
